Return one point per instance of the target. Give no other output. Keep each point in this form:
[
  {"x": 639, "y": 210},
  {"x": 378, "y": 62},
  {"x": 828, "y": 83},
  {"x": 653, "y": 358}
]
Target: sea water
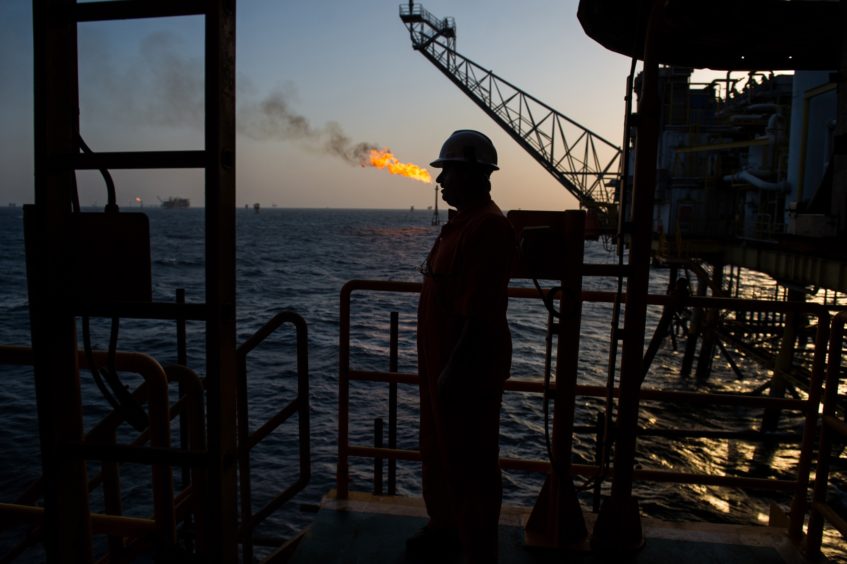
[{"x": 299, "y": 259}]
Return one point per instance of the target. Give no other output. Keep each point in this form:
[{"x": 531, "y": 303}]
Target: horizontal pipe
[
  {"x": 144, "y": 310},
  {"x": 537, "y": 386},
  {"x": 374, "y": 376},
  {"x": 11, "y": 354},
  {"x": 734, "y": 304},
  {"x": 117, "y": 525}
]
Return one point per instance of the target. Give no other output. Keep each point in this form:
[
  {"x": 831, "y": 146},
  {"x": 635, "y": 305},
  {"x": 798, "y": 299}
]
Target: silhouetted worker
[{"x": 464, "y": 356}]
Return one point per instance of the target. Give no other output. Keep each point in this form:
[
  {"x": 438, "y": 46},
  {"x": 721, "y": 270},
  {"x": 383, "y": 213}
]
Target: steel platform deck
[{"x": 373, "y": 529}]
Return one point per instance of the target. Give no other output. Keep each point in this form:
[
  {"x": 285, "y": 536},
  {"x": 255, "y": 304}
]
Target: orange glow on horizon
[{"x": 386, "y": 160}]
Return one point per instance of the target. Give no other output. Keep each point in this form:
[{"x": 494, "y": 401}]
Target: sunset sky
[{"x": 343, "y": 68}]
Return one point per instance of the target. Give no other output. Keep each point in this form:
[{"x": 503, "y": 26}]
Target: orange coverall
[{"x": 462, "y": 321}]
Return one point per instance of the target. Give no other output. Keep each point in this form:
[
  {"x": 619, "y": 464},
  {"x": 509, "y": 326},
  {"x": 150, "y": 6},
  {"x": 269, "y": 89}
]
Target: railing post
[
  {"x": 556, "y": 519},
  {"x": 378, "y": 426},
  {"x": 182, "y": 360},
  {"x": 342, "y": 476},
  {"x": 392, "y": 402}
]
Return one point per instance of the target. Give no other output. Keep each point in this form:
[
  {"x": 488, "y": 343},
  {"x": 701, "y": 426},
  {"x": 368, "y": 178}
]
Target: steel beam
[
  {"x": 221, "y": 508},
  {"x": 67, "y": 526}
]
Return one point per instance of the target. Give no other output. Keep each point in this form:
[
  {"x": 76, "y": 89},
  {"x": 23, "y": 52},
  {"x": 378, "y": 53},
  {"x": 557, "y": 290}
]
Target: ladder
[
  {"x": 585, "y": 163},
  {"x": 67, "y": 522}
]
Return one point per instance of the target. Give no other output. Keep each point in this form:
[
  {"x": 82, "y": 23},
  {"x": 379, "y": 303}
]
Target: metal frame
[{"x": 56, "y": 102}]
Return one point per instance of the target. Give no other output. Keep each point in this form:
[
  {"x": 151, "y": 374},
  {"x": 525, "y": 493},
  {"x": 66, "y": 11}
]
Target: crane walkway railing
[{"x": 411, "y": 14}]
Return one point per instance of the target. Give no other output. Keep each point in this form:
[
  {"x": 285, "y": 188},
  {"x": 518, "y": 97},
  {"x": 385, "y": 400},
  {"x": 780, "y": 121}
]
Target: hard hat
[{"x": 467, "y": 146}]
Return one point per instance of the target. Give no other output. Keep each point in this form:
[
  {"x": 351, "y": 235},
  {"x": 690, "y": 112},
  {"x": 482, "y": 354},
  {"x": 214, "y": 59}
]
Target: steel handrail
[
  {"x": 831, "y": 425},
  {"x": 247, "y": 440},
  {"x": 343, "y": 475},
  {"x": 156, "y": 382},
  {"x": 799, "y": 486}
]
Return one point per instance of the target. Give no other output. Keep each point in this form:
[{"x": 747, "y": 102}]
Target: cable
[
  {"x": 552, "y": 314},
  {"x": 111, "y": 195},
  {"x": 107, "y": 378},
  {"x": 616, "y": 307},
  {"x": 92, "y": 365},
  {"x": 113, "y": 389}
]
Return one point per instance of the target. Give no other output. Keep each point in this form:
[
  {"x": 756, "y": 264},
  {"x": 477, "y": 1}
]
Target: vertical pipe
[
  {"x": 163, "y": 499},
  {"x": 182, "y": 359},
  {"x": 571, "y": 523},
  {"x": 110, "y": 471},
  {"x": 392, "y": 402},
  {"x": 220, "y": 279},
  {"x": 619, "y": 523},
  {"x": 342, "y": 476},
  {"x": 378, "y": 430},
  {"x": 303, "y": 420},
  {"x": 243, "y": 424}
]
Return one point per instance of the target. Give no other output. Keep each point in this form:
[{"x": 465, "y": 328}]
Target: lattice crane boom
[{"x": 585, "y": 163}]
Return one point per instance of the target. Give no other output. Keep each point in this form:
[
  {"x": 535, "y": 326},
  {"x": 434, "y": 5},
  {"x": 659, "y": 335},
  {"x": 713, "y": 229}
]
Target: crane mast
[{"x": 585, "y": 163}]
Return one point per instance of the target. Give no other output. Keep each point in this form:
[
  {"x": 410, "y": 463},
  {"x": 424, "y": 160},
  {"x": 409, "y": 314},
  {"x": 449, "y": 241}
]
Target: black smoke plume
[
  {"x": 162, "y": 84},
  {"x": 273, "y": 119}
]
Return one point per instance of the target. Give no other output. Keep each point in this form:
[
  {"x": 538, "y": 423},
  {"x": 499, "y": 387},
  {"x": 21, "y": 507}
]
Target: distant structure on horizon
[{"x": 175, "y": 203}]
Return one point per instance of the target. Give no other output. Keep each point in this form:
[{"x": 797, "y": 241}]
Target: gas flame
[{"x": 386, "y": 160}]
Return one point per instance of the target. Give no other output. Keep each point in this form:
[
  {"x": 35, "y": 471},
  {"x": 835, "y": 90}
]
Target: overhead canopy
[{"x": 724, "y": 34}]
